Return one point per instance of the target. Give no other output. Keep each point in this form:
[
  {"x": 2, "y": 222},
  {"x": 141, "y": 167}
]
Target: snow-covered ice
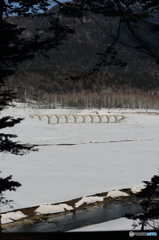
[
  {"x": 137, "y": 188},
  {"x": 49, "y": 209},
  {"x": 115, "y": 194},
  {"x": 11, "y": 216},
  {"x": 88, "y": 200},
  {"x": 105, "y": 157}
]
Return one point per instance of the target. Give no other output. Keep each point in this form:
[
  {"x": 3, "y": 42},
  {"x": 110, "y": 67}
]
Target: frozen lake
[{"x": 103, "y": 157}]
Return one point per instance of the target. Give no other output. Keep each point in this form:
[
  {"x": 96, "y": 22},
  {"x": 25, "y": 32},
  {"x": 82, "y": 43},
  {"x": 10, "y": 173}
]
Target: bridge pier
[
  {"x": 67, "y": 119},
  {"x": 116, "y": 119},
  {"x": 76, "y": 119},
  {"x": 108, "y": 119},
  {"x": 49, "y": 120}
]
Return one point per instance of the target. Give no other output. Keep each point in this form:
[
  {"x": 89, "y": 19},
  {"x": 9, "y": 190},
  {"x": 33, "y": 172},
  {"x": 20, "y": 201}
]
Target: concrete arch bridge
[{"x": 83, "y": 118}]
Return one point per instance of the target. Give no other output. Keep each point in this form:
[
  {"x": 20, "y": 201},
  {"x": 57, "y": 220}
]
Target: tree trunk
[
  {"x": 0, "y": 224},
  {"x": 1, "y": 9},
  {"x": 142, "y": 225}
]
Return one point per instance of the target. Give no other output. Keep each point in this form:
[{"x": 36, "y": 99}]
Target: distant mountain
[{"x": 77, "y": 55}]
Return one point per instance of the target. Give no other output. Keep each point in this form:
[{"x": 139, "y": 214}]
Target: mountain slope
[{"x": 78, "y": 55}]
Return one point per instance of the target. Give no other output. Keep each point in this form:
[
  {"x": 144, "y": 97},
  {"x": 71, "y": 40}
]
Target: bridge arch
[
  {"x": 112, "y": 119},
  {"x": 105, "y": 119},
  {"x": 73, "y": 118},
  {"x": 48, "y": 119},
  {"x": 87, "y": 118},
  {"x": 54, "y": 119},
  {"x": 98, "y": 118},
  {"x": 62, "y": 117},
  {"x": 80, "y": 117},
  {"x": 37, "y": 116}
]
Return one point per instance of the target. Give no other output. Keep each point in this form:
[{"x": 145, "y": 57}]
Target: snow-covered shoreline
[
  {"x": 43, "y": 212},
  {"x": 73, "y": 204}
]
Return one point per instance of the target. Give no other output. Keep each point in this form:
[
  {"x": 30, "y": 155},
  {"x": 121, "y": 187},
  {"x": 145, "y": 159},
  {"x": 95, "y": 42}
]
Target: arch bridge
[{"x": 76, "y": 117}]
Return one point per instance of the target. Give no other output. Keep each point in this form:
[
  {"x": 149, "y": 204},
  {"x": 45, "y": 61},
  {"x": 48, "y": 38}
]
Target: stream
[{"x": 80, "y": 218}]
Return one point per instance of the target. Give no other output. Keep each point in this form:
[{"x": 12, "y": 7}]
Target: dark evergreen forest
[{"x": 132, "y": 81}]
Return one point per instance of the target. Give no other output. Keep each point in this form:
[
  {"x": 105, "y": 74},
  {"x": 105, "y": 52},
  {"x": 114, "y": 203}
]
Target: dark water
[{"x": 80, "y": 218}]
